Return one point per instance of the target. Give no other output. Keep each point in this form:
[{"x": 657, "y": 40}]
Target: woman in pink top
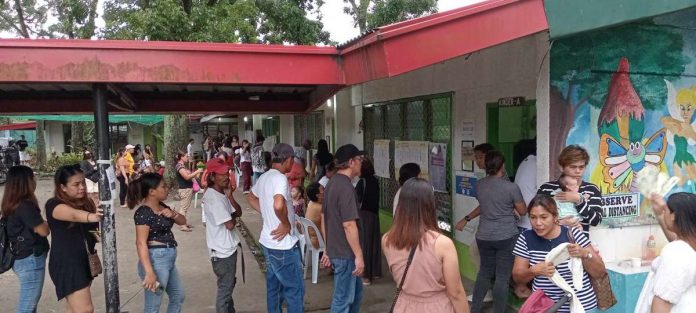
[{"x": 433, "y": 282}]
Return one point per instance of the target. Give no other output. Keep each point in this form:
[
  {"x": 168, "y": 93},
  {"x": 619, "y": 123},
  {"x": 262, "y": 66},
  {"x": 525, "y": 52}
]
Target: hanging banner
[
  {"x": 381, "y": 155},
  {"x": 438, "y": 166},
  {"x": 411, "y": 152},
  {"x": 621, "y": 205}
]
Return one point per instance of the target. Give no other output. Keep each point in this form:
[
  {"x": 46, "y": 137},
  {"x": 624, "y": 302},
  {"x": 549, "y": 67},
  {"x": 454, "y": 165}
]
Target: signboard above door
[{"x": 511, "y": 101}]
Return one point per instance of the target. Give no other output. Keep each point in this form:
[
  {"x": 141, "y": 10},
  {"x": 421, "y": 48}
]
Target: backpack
[{"x": 7, "y": 249}]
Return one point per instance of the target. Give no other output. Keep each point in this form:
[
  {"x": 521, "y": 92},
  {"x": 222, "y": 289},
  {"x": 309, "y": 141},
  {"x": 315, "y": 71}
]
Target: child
[
  {"x": 566, "y": 209},
  {"x": 298, "y": 202}
]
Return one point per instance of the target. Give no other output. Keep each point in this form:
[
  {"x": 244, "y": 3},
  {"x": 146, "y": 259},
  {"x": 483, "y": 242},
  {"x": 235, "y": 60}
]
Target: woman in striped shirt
[{"x": 533, "y": 245}]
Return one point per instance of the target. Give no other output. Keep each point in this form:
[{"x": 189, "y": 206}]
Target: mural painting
[{"x": 631, "y": 104}]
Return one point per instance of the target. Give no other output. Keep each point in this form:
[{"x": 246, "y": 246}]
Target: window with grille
[
  {"x": 425, "y": 118},
  {"x": 309, "y": 126}
]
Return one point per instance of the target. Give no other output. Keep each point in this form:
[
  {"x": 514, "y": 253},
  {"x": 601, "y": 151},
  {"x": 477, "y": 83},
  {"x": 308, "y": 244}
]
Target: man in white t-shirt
[
  {"x": 279, "y": 239},
  {"x": 221, "y": 210}
]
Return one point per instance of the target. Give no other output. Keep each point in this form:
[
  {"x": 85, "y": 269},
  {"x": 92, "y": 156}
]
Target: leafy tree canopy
[
  {"x": 587, "y": 61},
  {"x": 370, "y": 14}
]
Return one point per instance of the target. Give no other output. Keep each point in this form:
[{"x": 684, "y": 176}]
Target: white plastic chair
[{"x": 306, "y": 225}]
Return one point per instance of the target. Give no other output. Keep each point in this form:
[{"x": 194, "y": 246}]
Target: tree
[
  {"x": 370, "y": 14},
  {"x": 24, "y": 18},
  {"x": 235, "y": 21},
  {"x": 582, "y": 66}
]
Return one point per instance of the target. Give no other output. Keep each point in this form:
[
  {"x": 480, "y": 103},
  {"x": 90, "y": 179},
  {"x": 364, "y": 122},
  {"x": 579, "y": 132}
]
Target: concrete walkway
[{"x": 194, "y": 267}]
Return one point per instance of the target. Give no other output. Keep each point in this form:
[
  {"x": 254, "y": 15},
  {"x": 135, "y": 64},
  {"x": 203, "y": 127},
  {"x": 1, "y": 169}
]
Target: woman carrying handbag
[{"x": 422, "y": 261}]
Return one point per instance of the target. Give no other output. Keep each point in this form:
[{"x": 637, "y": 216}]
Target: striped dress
[
  {"x": 590, "y": 209},
  {"x": 534, "y": 248}
]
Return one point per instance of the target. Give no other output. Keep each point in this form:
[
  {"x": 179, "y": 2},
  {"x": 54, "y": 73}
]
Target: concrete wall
[
  {"x": 512, "y": 69},
  {"x": 54, "y": 137}
]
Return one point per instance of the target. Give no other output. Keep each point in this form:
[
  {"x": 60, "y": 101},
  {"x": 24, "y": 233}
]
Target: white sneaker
[{"x": 487, "y": 298}]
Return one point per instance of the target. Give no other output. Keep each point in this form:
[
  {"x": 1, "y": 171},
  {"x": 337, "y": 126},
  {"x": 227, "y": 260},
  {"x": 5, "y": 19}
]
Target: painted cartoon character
[
  {"x": 623, "y": 149},
  {"x": 622, "y": 163},
  {"x": 681, "y": 128}
]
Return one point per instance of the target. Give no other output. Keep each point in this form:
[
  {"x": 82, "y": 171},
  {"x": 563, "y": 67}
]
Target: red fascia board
[
  {"x": 86, "y": 61},
  {"x": 19, "y": 126},
  {"x": 164, "y": 45},
  {"x": 422, "y": 42},
  {"x": 155, "y": 106}
]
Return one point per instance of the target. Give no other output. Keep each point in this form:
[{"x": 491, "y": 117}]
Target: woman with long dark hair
[
  {"x": 432, "y": 282},
  {"x": 73, "y": 218},
  {"x": 184, "y": 179},
  {"x": 671, "y": 283},
  {"x": 155, "y": 242},
  {"x": 28, "y": 230},
  {"x": 321, "y": 159},
  {"x": 367, "y": 191},
  {"x": 500, "y": 202}
]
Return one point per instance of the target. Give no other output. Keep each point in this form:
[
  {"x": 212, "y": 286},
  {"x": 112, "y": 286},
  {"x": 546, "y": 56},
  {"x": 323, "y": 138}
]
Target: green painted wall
[
  {"x": 466, "y": 267},
  {"x": 570, "y": 17}
]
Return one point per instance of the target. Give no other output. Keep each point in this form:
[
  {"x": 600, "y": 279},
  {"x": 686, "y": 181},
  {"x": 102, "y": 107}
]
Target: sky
[{"x": 340, "y": 25}]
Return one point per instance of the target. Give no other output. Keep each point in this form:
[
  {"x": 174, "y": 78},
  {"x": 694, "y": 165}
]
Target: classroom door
[{"x": 507, "y": 125}]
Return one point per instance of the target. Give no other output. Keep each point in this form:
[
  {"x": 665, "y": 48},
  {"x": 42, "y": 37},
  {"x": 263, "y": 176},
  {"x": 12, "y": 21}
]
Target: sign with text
[
  {"x": 381, "y": 156},
  {"x": 511, "y": 101},
  {"x": 621, "y": 205},
  {"x": 466, "y": 185}
]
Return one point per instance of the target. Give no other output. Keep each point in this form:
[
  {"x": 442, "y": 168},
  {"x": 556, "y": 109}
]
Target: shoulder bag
[
  {"x": 95, "y": 265},
  {"x": 403, "y": 278}
]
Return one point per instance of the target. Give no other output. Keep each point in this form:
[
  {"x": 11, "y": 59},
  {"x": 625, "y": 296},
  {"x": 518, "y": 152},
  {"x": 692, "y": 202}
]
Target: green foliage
[
  {"x": 370, "y": 14},
  {"x": 24, "y": 18},
  {"x": 387, "y": 12},
  {"x": 587, "y": 61},
  {"x": 75, "y": 18},
  {"x": 243, "y": 21},
  {"x": 57, "y": 161}
]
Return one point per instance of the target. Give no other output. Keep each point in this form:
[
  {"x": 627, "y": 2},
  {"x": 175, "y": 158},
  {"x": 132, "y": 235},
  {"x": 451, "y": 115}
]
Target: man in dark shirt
[{"x": 341, "y": 213}]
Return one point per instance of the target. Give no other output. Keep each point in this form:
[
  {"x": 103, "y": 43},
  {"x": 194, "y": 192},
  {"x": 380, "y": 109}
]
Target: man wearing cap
[
  {"x": 341, "y": 213},
  {"x": 221, "y": 210},
  {"x": 279, "y": 240}
]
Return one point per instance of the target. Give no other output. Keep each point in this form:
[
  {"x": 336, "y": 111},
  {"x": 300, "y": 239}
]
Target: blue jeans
[
  {"x": 163, "y": 262},
  {"x": 30, "y": 271},
  {"x": 284, "y": 280},
  {"x": 255, "y": 177},
  {"x": 348, "y": 289}
]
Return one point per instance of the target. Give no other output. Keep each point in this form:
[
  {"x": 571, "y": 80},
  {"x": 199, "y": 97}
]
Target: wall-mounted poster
[
  {"x": 465, "y": 185},
  {"x": 411, "y": 152},
  {"x": 438, "y": 166},
  {"x": 381, "y": 155},
  {"x": 467, "y": 155}
]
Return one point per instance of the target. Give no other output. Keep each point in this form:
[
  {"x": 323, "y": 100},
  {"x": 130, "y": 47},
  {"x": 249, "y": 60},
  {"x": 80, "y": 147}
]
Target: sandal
[{"x": 186, "y": 229}]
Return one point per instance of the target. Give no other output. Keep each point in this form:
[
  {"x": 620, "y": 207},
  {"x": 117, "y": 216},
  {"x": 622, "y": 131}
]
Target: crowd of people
[{"x": 537, "y": 239}]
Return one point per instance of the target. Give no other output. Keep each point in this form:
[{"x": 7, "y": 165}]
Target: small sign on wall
[
  {"x": 511, "y": 101},
  {"x": 466, "y": 186},
  {"x": 621, "y": 205}
]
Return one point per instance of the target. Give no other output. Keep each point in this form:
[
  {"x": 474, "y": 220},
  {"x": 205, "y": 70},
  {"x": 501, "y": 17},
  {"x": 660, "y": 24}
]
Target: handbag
[
  {"x": 601, "y": 285},
  {"x": 403, "y": 278},
  {"x": 538, "y": 302},
  {"x": 196, "y": 186},
  {"x": 95, "y": 265}
]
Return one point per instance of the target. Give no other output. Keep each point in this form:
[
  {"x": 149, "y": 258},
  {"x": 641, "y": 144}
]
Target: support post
[{"x": 108, "y": 223}]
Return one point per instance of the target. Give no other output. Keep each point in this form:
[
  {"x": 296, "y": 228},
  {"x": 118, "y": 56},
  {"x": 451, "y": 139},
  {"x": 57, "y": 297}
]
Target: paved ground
[{"x": 195, "y": 269}]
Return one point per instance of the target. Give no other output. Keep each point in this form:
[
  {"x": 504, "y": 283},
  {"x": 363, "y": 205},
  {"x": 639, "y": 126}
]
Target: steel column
[{"x": 108, "y": 223}]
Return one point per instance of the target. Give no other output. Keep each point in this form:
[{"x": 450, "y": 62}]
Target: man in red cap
[{"x": 221, "y": 211}]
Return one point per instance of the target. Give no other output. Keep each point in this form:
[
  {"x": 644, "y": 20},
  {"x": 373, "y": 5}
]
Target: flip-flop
[{"x": 188, "y": 230}]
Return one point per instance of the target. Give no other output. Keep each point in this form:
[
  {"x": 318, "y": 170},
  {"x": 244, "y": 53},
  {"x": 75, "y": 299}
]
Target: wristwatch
[{"x": 467, "y": 218}]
